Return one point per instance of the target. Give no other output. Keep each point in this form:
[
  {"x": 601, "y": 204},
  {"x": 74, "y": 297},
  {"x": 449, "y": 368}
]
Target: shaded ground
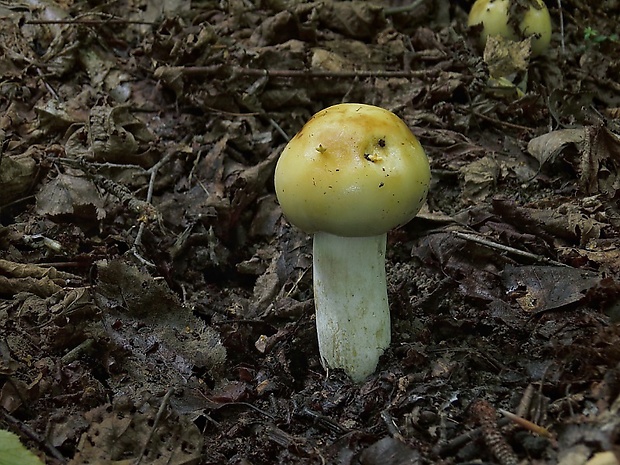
[{"x": 156, "y": 306}]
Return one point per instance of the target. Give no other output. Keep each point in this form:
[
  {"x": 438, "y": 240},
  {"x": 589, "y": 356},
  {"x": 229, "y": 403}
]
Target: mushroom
[
  {"x": 351, "y": 174},
  {"x": 495, "y": 15}
]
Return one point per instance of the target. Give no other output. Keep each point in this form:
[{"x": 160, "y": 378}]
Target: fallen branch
[{"x": 231, "y": 71}]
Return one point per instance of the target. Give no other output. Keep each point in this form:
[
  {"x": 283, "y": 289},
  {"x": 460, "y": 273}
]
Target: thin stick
[
  {"x": 561, "y": 26},
  {"x": 149, "y": 197},
  {"x": 391, "y": 425},
  {"x": 503, "y": 123},
  {"x": 160, "y": 413},
  {"x": 88, "y": 22},
  {"x": 527, "y": 424},
  {"x": 505, "y": 248},
  {"x": 292, "y": 73},
  {"x": 33, "y": 435}
]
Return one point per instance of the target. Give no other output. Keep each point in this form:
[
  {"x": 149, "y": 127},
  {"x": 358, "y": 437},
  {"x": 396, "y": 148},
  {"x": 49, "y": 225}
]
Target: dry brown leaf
[
  {"x": 118, "y": 436},
  {"x": 568, "y": 221},
  {"x": 506, "y": 57},
  {"x": 542, "y": 288},
  {"x": 146, "y": 317},
  {"x": 546, "y": 148},
  {"x": 70, "y": 196},
  {"x": 597, "y": 162},
  {"x": 17, "y": 175},
  {"x": 356, "y": 19},
  {"x": 479, "y": 177},
  {"x": 112, "y": 135}
]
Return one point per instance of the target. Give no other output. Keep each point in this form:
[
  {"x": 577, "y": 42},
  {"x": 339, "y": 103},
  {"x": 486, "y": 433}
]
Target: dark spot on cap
[{"x": 381, "y": 143}]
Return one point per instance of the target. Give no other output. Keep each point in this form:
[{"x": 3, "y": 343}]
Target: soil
[{"x": 156, "y": 307}]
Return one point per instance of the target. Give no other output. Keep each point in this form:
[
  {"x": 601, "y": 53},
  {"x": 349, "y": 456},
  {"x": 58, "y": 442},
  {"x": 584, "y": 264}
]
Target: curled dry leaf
[
  {"x": 112, "y": 135},
  {"x": 597, "y": 162},
  {"x": 39, "y": 280},
  {"x": 479, "y": 177},
  {"x": 566, "y": 222},
  {"x": 547, "y": 147}
]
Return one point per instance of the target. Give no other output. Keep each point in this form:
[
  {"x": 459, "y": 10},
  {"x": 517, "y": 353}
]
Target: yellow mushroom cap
[
  {"x": 494, "y": 15},
  {"x": 353, "y": 170}
]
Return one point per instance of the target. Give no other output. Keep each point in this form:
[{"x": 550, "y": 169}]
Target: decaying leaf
[
  {"x": 474, "y": 267},
  {"x": 547, "y": 147},
  {"x": 146, "y": 318},
  {"x": 123, "y": 434},
  {"x": 103, "y": 72},
  {"x": 508, "y": 62},
  {"x": 602, "y": 253},
  {"x": 112, "y": 134},
  {"x": 54, "y": 116},
  {"x": 568, "y": 221},
  {"x": 12, "y": 451},
  {"x": 213, "y": 89},
  {"x": 479, "y": 177},
  {"x": 389, "y": 451},
  {"x": 356, "y": 19},
  {"x": 17, "y": 175},
  {"x": 542, "y": 288},
  {"x": 597, "y": 161},
  {"x": 506, "y": 57},
  {"x": 69, "y": 196}
]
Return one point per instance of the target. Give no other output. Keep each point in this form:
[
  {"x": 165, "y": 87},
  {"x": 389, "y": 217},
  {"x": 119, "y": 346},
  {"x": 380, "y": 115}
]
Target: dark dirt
[{"x": 157, "y": 308}]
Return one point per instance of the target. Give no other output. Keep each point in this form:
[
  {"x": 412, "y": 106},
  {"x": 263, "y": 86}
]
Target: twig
[
  {"x": 33, "y": 435},
  {"x": 533, "y": 427},
  {"x": 526, "y": 401},
  {"x": 505, "y": 248},
  {"x": 74, "y": 353},
  {"x": 322, "y": 420},
  {"x": 231, "y": 71},
  {"x": 456, "y": 443},
  {"x": 48, "y": 86},
  {"x": 561, "y": 26},
  {"x": 279, "y": 129},
  {"x": 146, "y": 211},
  {"x": 153, "y": 170},
  {"x": 391, "y": 425},
  {"x": 502, "y": 123},
  {"x": 160, "y": 413},
  {"x": 87, "y": 22},
  {"x": 108, "y": 19}
]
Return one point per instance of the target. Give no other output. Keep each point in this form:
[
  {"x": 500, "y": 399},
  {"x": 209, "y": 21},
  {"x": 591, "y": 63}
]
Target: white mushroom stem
[{"x": 350, "y": 296}]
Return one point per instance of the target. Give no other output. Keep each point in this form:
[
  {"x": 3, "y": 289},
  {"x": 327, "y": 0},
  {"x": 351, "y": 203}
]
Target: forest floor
[{"x": 157, "y": 308}]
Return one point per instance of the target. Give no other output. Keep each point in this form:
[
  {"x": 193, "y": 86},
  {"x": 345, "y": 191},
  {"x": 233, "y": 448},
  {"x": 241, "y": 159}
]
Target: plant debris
[{"x": 155, "y": 307}]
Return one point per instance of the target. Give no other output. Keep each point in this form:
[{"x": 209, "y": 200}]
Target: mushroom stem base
[{"x": 350, "y": 295}]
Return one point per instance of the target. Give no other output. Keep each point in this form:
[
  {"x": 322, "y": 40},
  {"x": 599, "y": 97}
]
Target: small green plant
[
  {"x": 13, "y": 452},
  {"x": 593, "y": 36}
]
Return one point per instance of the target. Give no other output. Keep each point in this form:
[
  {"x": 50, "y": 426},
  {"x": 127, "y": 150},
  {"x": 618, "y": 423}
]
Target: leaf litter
[{"x": 157, "y": 308}]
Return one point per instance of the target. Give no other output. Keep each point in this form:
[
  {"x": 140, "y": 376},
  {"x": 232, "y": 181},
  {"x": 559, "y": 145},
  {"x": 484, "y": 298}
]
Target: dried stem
[{"x": 230, "y": 71}]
